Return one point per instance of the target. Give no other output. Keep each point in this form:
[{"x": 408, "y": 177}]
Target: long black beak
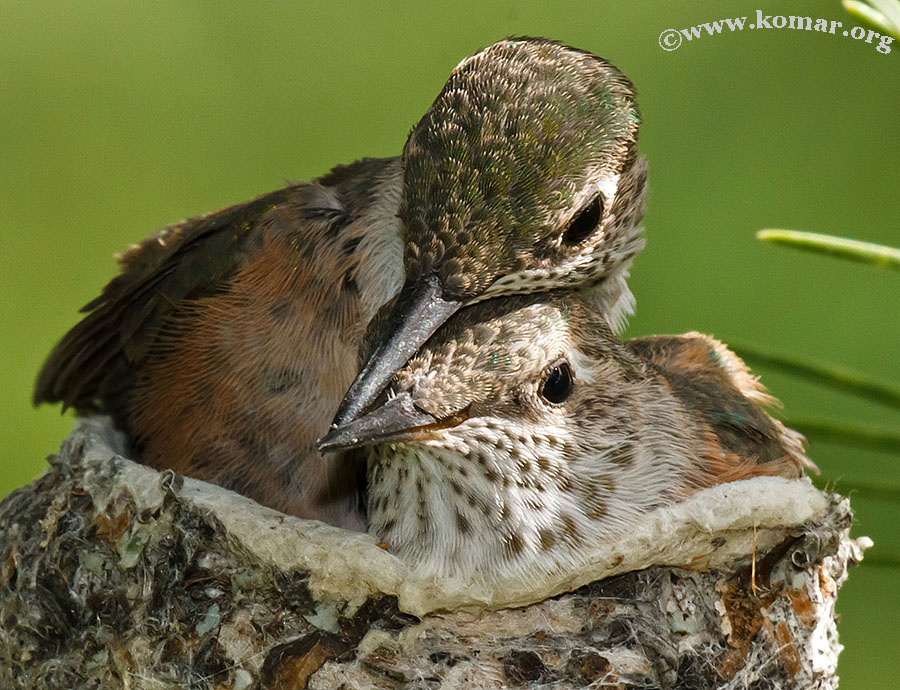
[
  {"x": 396, "y": 420},
  {"x": 417, "y": 316}
]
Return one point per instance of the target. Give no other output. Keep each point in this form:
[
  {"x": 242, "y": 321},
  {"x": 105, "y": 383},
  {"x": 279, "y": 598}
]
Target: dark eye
[
  {"x": 585, "y": 222},
  {"x": 558, "y": 384}
]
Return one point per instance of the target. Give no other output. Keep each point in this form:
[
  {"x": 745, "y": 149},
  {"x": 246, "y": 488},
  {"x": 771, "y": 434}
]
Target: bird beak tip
[
  {"x": 341, "y": 437},
  {"x": 329, "y": 442},
  {"x": 396, "y": 419},
  {"x": 419, "y": 315}
]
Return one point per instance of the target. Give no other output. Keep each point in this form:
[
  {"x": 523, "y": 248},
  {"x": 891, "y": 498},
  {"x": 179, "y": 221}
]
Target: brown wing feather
[
  {"x": 90, "y": 366},
  {"x": 227, "y": 342},
  {"x": 716, "y": 387}
]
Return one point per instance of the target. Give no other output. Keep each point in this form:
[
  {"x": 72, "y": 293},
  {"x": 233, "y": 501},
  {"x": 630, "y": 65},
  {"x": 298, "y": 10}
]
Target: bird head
[{"x": 522, "y": 177}]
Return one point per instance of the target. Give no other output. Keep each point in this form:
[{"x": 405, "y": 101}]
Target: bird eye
[
  {"x": 558, "y": 384},
  {"x": 585, "y": 222}
]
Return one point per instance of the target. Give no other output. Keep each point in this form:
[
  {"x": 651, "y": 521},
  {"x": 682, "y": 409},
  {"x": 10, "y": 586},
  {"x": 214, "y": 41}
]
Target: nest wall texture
[{"x": 113, "y": 575}]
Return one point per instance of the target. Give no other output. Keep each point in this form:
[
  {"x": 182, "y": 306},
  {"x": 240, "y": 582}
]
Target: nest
[{"x": 113, "y": 575}]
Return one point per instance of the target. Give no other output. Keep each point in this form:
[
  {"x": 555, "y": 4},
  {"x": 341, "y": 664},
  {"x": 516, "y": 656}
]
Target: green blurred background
[{"x": 119, "y": 118}]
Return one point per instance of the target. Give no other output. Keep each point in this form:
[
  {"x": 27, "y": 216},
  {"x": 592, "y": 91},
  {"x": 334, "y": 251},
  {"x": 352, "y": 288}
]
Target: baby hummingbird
[
  {"x": 228, "y": 341},
  {"x": 525, "y": 430}
]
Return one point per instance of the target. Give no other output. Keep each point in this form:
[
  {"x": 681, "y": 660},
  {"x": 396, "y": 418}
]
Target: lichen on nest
[{"x": 114, "y": 575}]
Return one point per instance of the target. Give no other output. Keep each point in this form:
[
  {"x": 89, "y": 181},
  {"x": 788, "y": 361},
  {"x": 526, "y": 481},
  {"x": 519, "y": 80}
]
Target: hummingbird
[
  {"x": 229, "y": 341},
  {"x": 525, "y": 430}
]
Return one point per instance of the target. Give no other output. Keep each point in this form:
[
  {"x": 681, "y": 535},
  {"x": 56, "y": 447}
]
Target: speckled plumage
[
  {"x": 493, "y": 479},
  {"x": 229, "y": 340},
  {"x": 524, "y": 135},
  {"x": 550, "y": 126}
]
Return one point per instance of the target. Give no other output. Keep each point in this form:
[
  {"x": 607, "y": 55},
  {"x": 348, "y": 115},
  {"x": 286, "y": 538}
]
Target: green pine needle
[
  {"x": 842, "y": 378},
  {"x": 883, "y": 561},
  {"x": 872, "y": 16},
  {"x": 854, "y": 250},
  {"x": 856, "y": 434},
  {"x": 871, "y": 492},
  {"x": 890, "y": 9}
]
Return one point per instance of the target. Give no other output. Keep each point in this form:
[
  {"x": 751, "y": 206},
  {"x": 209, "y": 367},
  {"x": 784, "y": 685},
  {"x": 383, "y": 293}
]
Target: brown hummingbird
[
  {"x": 228, "y": 341},
  {"x": 525, "y": 431}
]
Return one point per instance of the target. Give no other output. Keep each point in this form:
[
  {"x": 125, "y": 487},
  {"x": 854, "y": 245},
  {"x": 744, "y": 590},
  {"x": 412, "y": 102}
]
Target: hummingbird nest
[{"x": 113, "y": 575}]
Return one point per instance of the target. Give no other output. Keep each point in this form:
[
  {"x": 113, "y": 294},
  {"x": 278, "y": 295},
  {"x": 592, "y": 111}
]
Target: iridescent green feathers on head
[{"x": 521, "y": 136}]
